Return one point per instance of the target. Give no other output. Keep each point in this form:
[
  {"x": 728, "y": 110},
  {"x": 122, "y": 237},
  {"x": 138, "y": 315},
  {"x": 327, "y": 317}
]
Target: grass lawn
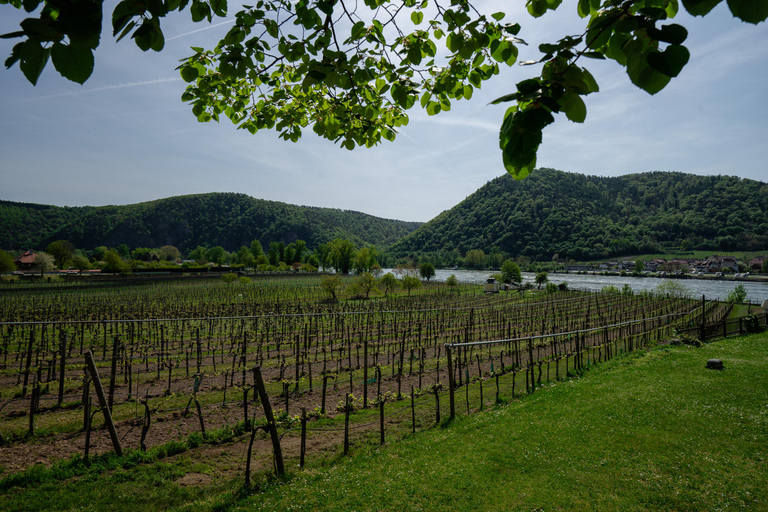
[{"x": 650, "y": 430}]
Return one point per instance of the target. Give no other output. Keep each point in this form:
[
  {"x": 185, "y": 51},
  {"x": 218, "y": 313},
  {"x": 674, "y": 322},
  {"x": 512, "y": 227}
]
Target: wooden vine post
[
  {"x": 303, "y": 436},
  {"x": 450, "y": 381},
  {"x": 62, "y": 365},
  {"x": 365, "y": 373},
  {"x": 381, "y": 419},
  {"x": 280, "y": 468},
  {"x": 347, "y": 408},
  {"x": 103, "y": 403}
]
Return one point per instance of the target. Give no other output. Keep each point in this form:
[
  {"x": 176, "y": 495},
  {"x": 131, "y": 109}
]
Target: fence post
[
  {"x": 381, "y": 420},
  {"x": 346, "y": 425},
  {"x": 303, "y": 436},
  {"x": 270, "y": 419},
  {"x": 62, "y": 365},
  {"x": 450, "y": 381},
  {"x": 103, "y": 403},
  {"x": 365, "y": 373}
]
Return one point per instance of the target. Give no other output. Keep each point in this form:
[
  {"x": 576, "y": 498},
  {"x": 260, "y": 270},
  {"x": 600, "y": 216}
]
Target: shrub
[
  {"x": 738, "y": 295},
  {"x": 229, "y": 278},
  {"x": 751, "y": 323}
]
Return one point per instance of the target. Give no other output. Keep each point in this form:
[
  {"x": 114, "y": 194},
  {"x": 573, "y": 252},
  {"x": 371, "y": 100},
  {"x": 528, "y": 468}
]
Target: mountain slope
[
  {"x": 226, "y": 219},
  {"x": 587, "y": 217}
]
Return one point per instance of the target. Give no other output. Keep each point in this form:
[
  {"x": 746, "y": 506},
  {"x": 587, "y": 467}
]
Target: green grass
[{"x": 650, "y": 430}]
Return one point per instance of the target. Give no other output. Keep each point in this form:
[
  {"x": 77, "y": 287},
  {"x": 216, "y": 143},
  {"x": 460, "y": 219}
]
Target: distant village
[{"x": 717, "y": 266}]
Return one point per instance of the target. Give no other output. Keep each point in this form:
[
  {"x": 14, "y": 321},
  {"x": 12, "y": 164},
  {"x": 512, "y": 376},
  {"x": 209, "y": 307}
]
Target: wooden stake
[
  {"x": 450, "y": 383},
  {"x": 103, "y": 403},
  {"x": 270, "y": 420},
  {"x": 303, "y": 436}
]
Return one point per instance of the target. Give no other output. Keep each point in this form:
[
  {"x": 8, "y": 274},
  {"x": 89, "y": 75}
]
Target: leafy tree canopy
[
  {"x": 510, "y": 272},
  {"x": 351, "y": 70},
  {"x": 6, "y": 262},
  {"x": 427, "y": 271}
]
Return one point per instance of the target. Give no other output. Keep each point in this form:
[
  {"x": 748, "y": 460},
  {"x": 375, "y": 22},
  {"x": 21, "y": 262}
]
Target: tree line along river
[{"x": 757, "y": 291}]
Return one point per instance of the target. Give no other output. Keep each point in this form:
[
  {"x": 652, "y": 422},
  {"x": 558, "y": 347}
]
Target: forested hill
[
  {"x": 226, "y": 219},
  {"x": 586, "y": 217}
]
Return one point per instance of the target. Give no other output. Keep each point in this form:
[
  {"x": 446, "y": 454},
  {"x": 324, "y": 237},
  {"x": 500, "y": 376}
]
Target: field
[{"x": 178, "y": 360}]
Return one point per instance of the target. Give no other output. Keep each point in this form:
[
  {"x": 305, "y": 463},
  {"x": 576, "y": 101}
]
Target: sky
[{"x": 125, "y": 136}]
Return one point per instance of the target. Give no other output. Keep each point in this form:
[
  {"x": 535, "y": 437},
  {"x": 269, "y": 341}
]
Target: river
[{"x": 757, "y": 292}]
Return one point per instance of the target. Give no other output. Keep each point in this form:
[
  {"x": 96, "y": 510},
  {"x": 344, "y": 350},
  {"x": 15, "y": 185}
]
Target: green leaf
[
  {"x": 639, "y": 70},
  {"x": 122, "y": 14},
  {"x": 751, "y": 11},
  {"x": 537, "y": 8},
  {"x": 417, "y": 17},
  {"x": 672, "y": 34},
  {"x": 521, "y": 137},
  {"x": 672, "y": 8},
  {"x": 671, "y": 61},
  {"x": 583, "y": 8},
  {"x": 15, "y": 55},
  {"x": 127, "y": 29},
  {"x": 73, "y": 62},
  {"x": 520, "y": 172},
  {"x": 149, "y": 35},
  {"x": 498, "y": 16},
  {"x": 506, "y": 97},
  {"x": 29, "y": 5},
  {"x": 11, "y": 35},
  {"x": 189, "y": 73},
  {"x": 33, "y": 60},
  {"x": 700, "y": 7},
  {"x": 219, "y": 7},
  {"x": 358, "y": 29},
  {"x": 529, "y": 86},
  {"x": 574, "y": 107},
  {"x": 615, "y": 49}
]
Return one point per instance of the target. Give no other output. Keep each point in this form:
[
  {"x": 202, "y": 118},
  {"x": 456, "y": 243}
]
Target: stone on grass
[{"x": 715, "y": 364}]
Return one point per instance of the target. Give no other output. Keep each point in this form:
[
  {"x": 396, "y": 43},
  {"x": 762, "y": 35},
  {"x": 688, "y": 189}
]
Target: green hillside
[
  {"x": 226, "y": 219},
  {"x": 583, "y": 217}
]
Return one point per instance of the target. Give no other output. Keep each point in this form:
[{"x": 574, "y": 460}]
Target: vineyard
[{"x": 196, "y": 362}]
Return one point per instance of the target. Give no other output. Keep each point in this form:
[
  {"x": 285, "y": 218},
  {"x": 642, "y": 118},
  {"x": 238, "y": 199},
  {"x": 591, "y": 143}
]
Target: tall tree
[
  {"x": 410, "y": 283},
  {"x": 44, "y": 262},
  {"x": 169, "y": 253},
  {"x": 113, "y": 262},
  {"x": 388, "y": 283},
  {"x": 62, "y": 251},
  {"x": 510, "y": 272},
  {"x": 300, "y": 249},
  {"x": 217, "y": 255},
  {"x": 274, "y": 253},
  {"x": 427, "y": 271},
  {"x": 256, "y": 249},
  {"x": 6, "y": 262},
  {"x": 342, "y": 254},
  {"x": 474, "y": 258}
]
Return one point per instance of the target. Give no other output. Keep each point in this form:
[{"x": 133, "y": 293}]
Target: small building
[
  {"x": 26, "y": 261},
  {"x": 757, "y": 263},
  {"x": 491, "y": 286},
  {"x": 717, "y": 263},
  {"x": 655, "y": 264},
  {"x": 627, "y": 265}
]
